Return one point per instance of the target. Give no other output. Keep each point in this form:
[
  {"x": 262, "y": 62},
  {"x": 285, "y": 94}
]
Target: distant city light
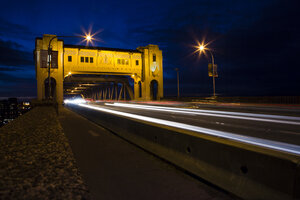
[{"x": 11, "y": 109}]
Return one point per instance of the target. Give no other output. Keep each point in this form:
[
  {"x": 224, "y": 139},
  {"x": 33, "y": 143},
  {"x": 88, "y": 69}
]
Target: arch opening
[
  {"x": 140, "y": 89},
  {"x": 52, "y": 88},
  {"x": 154, "y": 89},
  {"x": 99, "y": 87}
]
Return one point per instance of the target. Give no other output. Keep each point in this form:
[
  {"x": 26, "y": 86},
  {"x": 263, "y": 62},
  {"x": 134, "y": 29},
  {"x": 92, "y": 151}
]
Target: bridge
[
  {"x": 97, "y": 72},
  {"x": 150, "y": 149}
]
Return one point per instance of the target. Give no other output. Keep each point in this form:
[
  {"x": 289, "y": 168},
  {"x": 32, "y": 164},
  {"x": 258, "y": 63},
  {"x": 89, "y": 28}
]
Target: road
[{"x": 280, "y": 126}]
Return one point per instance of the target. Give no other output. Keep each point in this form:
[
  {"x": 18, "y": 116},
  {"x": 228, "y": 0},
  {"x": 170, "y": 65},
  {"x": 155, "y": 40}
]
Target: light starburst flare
[{"x": 89, "y": 37}]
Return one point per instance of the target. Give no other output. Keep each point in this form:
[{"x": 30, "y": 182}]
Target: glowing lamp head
[
  {"x": 88, "y": 38},
  {"x": 201, "y": 48}
]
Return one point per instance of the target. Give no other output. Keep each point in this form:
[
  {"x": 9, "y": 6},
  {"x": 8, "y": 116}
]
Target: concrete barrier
[{"x": 247, "y": 171}]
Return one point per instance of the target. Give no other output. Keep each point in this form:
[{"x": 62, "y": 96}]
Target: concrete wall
[{"x": 245, "y": 170}]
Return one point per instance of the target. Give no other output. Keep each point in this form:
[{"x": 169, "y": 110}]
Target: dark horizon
[{"x": 255, "y": 43}]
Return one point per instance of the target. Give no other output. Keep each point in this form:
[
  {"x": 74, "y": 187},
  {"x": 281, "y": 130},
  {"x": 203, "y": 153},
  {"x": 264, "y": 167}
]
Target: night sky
[{"x": 255, "y": 42}]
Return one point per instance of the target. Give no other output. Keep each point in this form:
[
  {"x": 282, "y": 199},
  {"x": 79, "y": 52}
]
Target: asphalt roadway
[
  {"x": 116, "y": 169},
  {"x": 275, "y": 124}
]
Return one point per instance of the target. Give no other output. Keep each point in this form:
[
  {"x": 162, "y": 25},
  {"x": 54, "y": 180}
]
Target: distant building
[
  {"x": 23, "y": 107},
  {"x": 11, "y": 109}
]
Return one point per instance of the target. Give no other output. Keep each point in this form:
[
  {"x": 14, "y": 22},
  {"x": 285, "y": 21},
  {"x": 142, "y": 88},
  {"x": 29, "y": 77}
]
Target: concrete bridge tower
[{"x": 56, "y": 71}]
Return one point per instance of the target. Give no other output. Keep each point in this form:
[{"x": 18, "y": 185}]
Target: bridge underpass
[{"x": 98, "y": 87}]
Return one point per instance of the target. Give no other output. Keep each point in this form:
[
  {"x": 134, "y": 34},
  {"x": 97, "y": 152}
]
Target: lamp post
[
  {"x": 177, "y": 70},
  {"x": 87, "y": 37},
  {"x": 202, "y": 48}
]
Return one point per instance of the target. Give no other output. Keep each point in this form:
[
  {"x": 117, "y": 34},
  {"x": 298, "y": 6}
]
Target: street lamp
[
  {"x": 203, "y": 48},
  {"x": 87, "y": 37}
]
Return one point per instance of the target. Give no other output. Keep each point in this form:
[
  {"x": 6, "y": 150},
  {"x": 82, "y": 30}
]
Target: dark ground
[{"x": 36, "y": 161}]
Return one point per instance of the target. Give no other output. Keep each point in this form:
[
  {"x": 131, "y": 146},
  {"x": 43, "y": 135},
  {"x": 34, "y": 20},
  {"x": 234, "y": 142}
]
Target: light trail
[
  {"x": 279, "y": 146},
  {"x": 214, "y": 111},
  {"x": 224, "y": 114}
]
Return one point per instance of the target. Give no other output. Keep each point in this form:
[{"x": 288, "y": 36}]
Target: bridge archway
[
  {"x": 154, "y": 90},
  {"x": 142, "y": 65},
  {"x": 52, "y": 87},
  {"x": 99, "y": 87}
]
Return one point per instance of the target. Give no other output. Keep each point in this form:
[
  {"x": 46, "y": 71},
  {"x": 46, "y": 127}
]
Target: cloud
[
  {"x": 16, "y": 86},
  {"x": 8, "y": 77},
  {"x": 9, "y": 69},
  {"x": 12, "y": 30},
  {"x": 11, "y": 55}
]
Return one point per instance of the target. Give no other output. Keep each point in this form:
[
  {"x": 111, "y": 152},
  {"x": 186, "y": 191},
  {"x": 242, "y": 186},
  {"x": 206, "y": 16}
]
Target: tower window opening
[
  {"x": 137, "y": 62},
  {"x": 86, "y": 59},
  {"x": 154, "y": 58},
  {"x": 69, "y": 58},
  {"x": 81, "y": 59},
  {"x": 91, "y": 59}
]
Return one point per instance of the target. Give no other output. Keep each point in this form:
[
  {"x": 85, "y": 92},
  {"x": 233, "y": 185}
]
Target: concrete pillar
[
  {"x": 152, "y": 70},
  {"x": 41, "y": 54}
]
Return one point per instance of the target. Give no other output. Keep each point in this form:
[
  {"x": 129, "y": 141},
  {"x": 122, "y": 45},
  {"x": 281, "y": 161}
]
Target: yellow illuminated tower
[{"x": 144, "y": 65}]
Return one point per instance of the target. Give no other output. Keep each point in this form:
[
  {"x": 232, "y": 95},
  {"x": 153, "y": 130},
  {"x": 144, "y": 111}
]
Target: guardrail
[{"x": 248, "y": 171}]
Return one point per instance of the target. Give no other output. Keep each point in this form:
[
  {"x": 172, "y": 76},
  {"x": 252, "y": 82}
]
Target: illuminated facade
[{"x": 143, "y": 65}]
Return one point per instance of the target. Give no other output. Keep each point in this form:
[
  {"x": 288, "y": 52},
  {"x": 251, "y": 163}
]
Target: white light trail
[
  {"x": 280, "y": 146},
  {"x": 74, "y": 101},
  {"x": 235, "y": 115}
]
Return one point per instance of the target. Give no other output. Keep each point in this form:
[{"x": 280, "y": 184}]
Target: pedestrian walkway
[{"x": 116, "y": 169}]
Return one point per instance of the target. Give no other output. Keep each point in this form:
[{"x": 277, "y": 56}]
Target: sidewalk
[{"x": 115, "y": 169}]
